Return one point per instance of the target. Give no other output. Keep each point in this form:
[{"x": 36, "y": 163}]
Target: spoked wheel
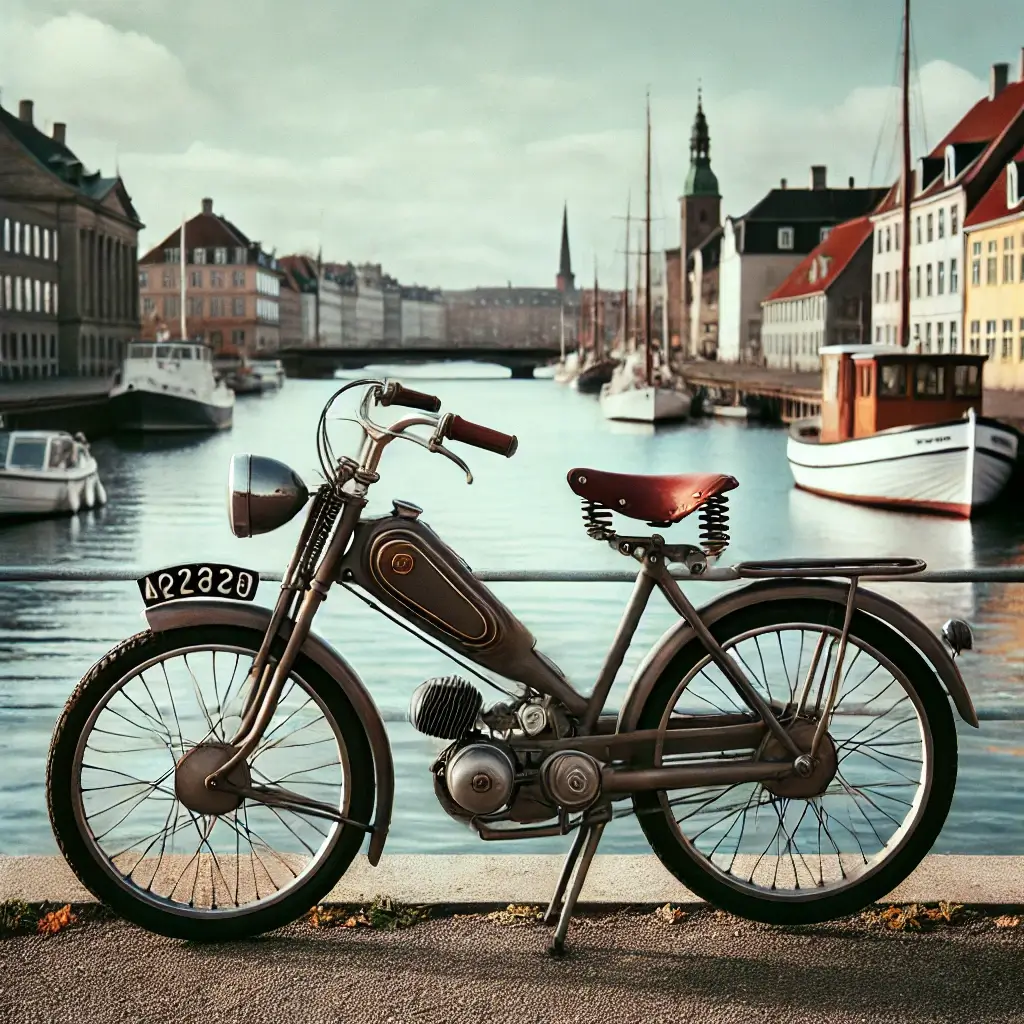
[
  {"x": 804, "y": 850},
  {"x": 134, "y": 820}
]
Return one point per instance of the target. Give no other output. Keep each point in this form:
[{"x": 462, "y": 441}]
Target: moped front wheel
[
  {"x": 139, "y": 832},
  {"x": 806, "y": 850}
]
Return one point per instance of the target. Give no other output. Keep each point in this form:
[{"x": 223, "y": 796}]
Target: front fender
[
  {"x": 202, "y": 611},
  {"x": 893, "y": 614}
]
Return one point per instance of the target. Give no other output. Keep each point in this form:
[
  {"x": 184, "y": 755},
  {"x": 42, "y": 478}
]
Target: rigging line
[
  {"x": 919, "y": 92},
  {"x": 388, "y": 614},
  {"x": 889, "y": 107}
]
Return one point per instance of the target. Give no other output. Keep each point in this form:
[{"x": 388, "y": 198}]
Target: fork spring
[
  {"x": 598, "y": 520},
  {"x": 714, "y": 524}
]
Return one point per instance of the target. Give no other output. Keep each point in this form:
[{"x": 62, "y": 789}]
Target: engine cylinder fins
[
  {"x": 714, "y": 524},
  {"x": 480, "y": 777},
  {"x": 446, "y": 707},
  {"x": 571, "y": 779}
]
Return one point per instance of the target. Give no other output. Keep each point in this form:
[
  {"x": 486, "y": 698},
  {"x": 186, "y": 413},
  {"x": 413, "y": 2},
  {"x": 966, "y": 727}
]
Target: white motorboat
[
  {"x": 903, "y": 430},
  {"x": 628, "y": 396},
  {"x": 170, "y": 386},
  {"x": 47, "y": 472},
  {"x": 270, "y": 373}
]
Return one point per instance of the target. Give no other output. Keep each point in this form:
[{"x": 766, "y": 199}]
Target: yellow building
[{"x": 994, "y": 265}]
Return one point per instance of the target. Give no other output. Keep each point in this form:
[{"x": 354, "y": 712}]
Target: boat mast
[
  {"x": 594, "y": 314},
  {"x": 181, "y": 260},
  {"x": 625, "y": 286},
  {"x": 647, "y": 252},
  {"x": 905, "y": 185},
  {"x": 319, "y": 284}
]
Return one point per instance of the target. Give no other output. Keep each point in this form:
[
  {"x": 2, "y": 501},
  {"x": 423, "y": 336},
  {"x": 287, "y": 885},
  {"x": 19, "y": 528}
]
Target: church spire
[
  {"x": 701, "y": 180},
  {"x": 565, "y": 280}
]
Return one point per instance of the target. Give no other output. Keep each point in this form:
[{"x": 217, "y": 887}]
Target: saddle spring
[
  {"x": 714, "y": 525},
  {"x": 598, "y": 520}
]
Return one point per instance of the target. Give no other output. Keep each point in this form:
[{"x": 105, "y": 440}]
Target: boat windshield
[
  {"x": 63, "y": 453},
  {"x": 5, "y": 439},
  {"x": 140, "y": 352},
  {"x": 27, "y": 453}
]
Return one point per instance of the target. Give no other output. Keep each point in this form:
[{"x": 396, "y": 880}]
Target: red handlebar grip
[
  {"x": 482, "y": 437},
  {"x": 395, "y": 394}
]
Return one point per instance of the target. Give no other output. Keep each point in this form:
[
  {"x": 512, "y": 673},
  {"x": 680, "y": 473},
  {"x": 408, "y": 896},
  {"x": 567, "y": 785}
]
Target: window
[
  {"x": 17, "y": 293},
  {"x": 216, "y": 307},
  {"x": 46, "y": 297},
  {"x": 54, "y": 246},
  {"x": 1008, "y": 262},
  {"x": 888, "y": 239},
  {"x": 931, "y": 219},
  {"x": 896, "y": 240},
  {"x": 220, "y": 255},
  {"x": 8, "y": 285},
  {"x": 929, "y": 381},
  {"x": 928, "y": 279},
  {"x": 172, "y": 307},
  {"x": 917, "y": 281},
  {"x": 954, "y": 219},
  {"x": 941, "y": 222},
  {"x": 990, "y": 337},
  {"x": 1013, "y": 190},
  {"x": 976, "y": 272},
  {"x": 878, "y": 287},
  {"x": 892, "y": 381},
  {"x": 954, "y": 281},
  {"x": 940, "y": 280},
  {"x": 148, "y": 306},
  {"x": 55, "y": 304},
  {"x": 217, "y": 278},
  {"x": 240, "y": 254},
  {"x": 887, "y": 286},
  {"x": 866, "y": 373},
  {"x": 952, "y": 336},
  {"x": 46, "y": 245},
  {"x": 17, "y": 237},
  {"x": 991, "y": 269},
  {"x": 238, "y": 307},
  {"x": 238, "y": 278},
  {"x": 785, "y": 238},
  {"x": 195, "y": 307},
  {"x": 940, "y": 342},
  {"x": 917, "y": 230},
  {"x": 238, "y": 338},
  {"x": 37, "y": 245},
  {"x": 966, "y": 381},
  {"x": 950, "y": 165},
  {"x": 198, "y": 255},
  {"x": 172, "y": 255},
  {"x": 975, "y": 336},
  {"x": 195, "y": 279},
  {"x": 143, "y": 279},
  {"x": 879, "y": 236},
  {"x": 7, "y": 234},
  {"x": 928, "y": 336}
]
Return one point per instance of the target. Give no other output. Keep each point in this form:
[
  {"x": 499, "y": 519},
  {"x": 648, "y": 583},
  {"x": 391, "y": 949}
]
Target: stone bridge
[{"x": 322, "y": 362}]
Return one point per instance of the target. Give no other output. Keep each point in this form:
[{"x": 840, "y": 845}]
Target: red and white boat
[{"x": 902, "y": 430}]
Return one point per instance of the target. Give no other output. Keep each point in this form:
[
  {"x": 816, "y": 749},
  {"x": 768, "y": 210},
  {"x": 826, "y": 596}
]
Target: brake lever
[{"x": 440, "y": 449}]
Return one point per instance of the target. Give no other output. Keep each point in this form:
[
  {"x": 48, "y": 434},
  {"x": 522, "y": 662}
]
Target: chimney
[
  {"x": 207, "y": 206},
  {"x": 818, "y": 176},
  {"x": 998, "y": 79},
  {"x": 59, "y": 132},
  {"x": 783, "y": 183},
  {"x": 851, "y": 181},
  {"x": 25, "y": 111},
  {"x": 1020, "y": 77}
]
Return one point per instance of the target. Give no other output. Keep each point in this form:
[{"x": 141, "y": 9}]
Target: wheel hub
[
  {"x": 190, "y": 776},
  {"x": 812, "y": 775}
]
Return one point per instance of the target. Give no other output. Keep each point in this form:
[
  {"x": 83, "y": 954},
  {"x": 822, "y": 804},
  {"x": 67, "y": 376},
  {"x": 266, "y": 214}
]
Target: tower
[
  {"x": 564, "y": 282},
  {"x": 700, "y": 213}
]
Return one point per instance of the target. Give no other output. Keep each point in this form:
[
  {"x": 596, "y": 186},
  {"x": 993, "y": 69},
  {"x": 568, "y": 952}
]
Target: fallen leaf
[
  {"x": 1007, "y": 921},
  {"x": 56, "y": 920},
  {"x": 670, "y": 914}
]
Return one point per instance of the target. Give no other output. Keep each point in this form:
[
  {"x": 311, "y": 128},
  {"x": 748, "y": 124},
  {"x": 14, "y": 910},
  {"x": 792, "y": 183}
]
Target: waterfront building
[
  {"x": 68, "y": 249},
  {"x": 320, "y": 287},
  {"x": 700, "y": 217},
  {"x": 369, "y": 306},
  {"x": 826, "y": 300},
  {"x": 423, "y": 317},
  {"x": 702, "y": 275},
  {"x": 947, "y": 185},
  {"x": 392, "y": 302},
  {"x": 289, "y": 309},
  {"x": 231, "y": 288},
  {"x": 994, "y": 294},
  {"x": 762, "y": 248}
]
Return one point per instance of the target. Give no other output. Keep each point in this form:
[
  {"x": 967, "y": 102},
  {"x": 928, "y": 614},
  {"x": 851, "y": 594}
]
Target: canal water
[{"x": 167, "y": 505}]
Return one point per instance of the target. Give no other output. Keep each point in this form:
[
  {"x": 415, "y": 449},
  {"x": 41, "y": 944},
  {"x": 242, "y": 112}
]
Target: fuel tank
[{"x": 401, "y": 562}]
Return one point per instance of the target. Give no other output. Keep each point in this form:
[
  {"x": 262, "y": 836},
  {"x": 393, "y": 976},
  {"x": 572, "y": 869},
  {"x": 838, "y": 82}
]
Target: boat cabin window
[
  {"x": 28, "y": 453},
  {"x": 864, "y": 375},
  {"x": 892, "y": 380},
  {"x": 140, "y": 352},
  {"x": 831, "y": 381},
  {"x": 63, "y": 454},
  {"x": 929, "y": 381},
  {"x": 183, "y": 353},
  {"x": 966, "y": 381}
]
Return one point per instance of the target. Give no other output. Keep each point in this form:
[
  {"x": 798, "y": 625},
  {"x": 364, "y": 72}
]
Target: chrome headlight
[{"x": 263, "y": 494}]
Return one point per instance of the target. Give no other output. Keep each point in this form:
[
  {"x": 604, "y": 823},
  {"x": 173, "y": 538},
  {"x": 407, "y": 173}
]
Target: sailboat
[
  {"x": 566, "y": 369},
  {"x": 598, "y": 371},
  {"x": 642, "y": 388},
  {"x": 901, "y": 429}
]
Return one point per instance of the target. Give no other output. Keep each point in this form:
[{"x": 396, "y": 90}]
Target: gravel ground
[{"x": 623, "y": 967}]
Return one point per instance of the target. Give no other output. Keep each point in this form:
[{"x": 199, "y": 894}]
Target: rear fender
[
  {"x": 893, "y": 614},
  {"x": 203, "y": 611}
]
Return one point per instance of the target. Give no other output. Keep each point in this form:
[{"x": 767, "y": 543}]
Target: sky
[{"x": 441, "y": 138}]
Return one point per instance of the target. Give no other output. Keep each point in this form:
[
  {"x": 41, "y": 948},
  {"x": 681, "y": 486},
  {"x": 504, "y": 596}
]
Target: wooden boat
[
  {"x": 903, "y": 430},
  {"x": 594, "y": 376},
  {"x": 47, "y": 472}
]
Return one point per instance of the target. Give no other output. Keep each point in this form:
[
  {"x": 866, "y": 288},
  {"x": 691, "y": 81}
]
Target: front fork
[{"x": 266, "y": 680}]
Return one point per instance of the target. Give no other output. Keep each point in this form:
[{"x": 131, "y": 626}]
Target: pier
[{"x": 56, "y": 403}]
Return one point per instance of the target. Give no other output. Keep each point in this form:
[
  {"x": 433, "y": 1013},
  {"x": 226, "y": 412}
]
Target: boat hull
[
  {"x": 46, "y": 494},
  {"x": 645, "y": 404},
  {"x": 951, "y": 468},
  {"x": 138, "y": 409},
  {"x": 590, "y": 380}
]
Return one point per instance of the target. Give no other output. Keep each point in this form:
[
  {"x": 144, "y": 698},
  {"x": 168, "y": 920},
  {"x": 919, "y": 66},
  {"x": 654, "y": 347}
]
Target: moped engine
[
  {"x": 480, "y": 777},
  {"x": 446, "y": 707}
]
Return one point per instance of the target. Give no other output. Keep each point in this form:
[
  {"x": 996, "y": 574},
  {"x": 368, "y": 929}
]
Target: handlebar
[
  {"x": 457, "y": 429},
  {"x": 396, "y": 394}
]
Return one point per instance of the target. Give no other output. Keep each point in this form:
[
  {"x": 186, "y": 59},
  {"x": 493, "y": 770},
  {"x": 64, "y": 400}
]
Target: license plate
[{"x": 198, "y": 580}]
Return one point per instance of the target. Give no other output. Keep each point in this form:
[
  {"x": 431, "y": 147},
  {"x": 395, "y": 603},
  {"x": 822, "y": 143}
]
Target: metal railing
[{"x": 996, "y": 574}]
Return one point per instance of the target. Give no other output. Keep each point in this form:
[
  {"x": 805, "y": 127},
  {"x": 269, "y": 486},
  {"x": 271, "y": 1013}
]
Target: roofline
[{"x": 1017, "y": 214}]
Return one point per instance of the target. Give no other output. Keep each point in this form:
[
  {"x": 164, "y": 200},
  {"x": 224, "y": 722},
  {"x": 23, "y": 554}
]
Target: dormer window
[
  {"x": 825, "y": 232},
  {"x": 198, "y": 255},
  {"x": 950, "y": 165},
  {"x": 785, "y": 238},
  {"x": 1013, "y": 186}
]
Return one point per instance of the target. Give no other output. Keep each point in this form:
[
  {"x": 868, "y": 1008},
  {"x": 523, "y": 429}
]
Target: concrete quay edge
[{"x": 474, "y": 880}]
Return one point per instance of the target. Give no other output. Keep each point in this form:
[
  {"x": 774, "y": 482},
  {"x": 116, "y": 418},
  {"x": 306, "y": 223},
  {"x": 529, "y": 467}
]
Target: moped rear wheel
[
  {"x": 805, "y": 851},
  {"x": 132, "y": 821}
]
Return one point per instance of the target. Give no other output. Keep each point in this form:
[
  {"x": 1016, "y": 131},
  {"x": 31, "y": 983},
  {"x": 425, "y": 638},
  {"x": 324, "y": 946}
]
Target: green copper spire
[{"x": 701, "y": 180}]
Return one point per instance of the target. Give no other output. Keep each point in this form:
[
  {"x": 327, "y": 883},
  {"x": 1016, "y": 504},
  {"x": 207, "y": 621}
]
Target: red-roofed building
[
  {"x": 826, "y": 300},
  {"x": 948, "y": 185},
  {"x": 994, "y": 300},
  {"x": 231, "y": 287}
]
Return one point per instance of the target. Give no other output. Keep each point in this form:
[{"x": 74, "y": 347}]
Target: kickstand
[{"x": 586, "y": 843}]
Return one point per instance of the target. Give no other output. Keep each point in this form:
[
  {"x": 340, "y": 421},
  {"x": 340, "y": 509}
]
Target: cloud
[{"x": 446, "y": 182}]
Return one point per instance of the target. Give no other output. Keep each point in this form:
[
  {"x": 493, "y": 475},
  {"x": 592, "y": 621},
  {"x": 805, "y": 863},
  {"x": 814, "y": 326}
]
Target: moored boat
[
  {"x": 594, "y": 376},
  {"x": 47, "y": 472},
  {"x": 903, "y": 430},
  {"x": 170, "y": 386}
]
